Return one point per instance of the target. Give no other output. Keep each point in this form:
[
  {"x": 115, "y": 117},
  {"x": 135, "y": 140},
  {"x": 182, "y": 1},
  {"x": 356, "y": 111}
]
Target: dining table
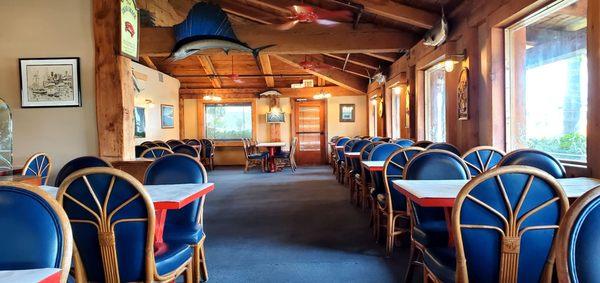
[
  {"x": 26, "y": 179},
  {"x": 272, "y": 147},
  {"x": 41, "y": 275},
  {"x": 373, "y": 166},
  {"x": 164, "y": 198},
  {"x": 352, "y": 155}
]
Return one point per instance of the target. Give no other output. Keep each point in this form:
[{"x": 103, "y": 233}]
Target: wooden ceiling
[{"x": 347, "y": 54}]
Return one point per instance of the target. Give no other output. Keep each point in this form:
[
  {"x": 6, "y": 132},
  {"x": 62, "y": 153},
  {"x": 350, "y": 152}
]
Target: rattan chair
[
  {"x": 287, "y": 158},
  {"x": 162, "y": 144},
  {"x": 339, "y": 157},
  {"x": 207, "y": 153},
  {"x": 187, "y": 150},
  {"x": 535, "y": 158},
  {"x": 252, "y": 159},
  {"x": 156, "y": 152},
  {"x": 174, "y": 143},
  {"x": 364, "y": 181},
  {"x": 482, "y": 158},
  {"x": 422, "y": 144},
  {"x": 355, "y": 171},
  {"x": 404, "y": 142},
  {"x": 38, "y": 165},
  {"x": 78, "y": 164},
  {"x": 444, "y": 146}
]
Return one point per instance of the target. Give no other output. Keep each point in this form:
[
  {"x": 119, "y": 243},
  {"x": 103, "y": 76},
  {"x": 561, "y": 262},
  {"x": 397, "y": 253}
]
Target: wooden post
[
  {"x": 114, "y": 85},
  {"x": 274, "y": 129},
  {"x": 593, "y": 49}
]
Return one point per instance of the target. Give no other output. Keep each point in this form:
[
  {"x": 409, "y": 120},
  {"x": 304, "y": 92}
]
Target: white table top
[
  {"x": 339, "y": 147},
  {"x": 449, "y": 189},
  {"x": 165, "y": 196},
  {"x": 271, "y": 144},
  {"x": 352, "y": 154},
  {"x": 378, "y": 165},
  {"x": 27, "y": 275}
]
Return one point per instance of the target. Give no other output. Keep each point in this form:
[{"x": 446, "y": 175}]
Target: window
[
  {"x": 396, "y": 112},
  {"x": 228, "y": 121},
  {"x": 547, "y": 81},
  {"x": 373, "y": 117},
  {"x": 435, "y": 103}
]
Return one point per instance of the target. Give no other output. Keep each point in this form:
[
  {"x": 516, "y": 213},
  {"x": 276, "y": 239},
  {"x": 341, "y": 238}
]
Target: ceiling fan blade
[
  {"x": 326, "y": 22},
  {"x": 287, "y": 26},
  {"x": 302, "y": 9}
]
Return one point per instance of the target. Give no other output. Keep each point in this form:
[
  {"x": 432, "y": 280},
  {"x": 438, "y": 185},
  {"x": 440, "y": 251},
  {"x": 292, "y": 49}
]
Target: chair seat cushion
[
  {"x": 432, "y": 233},
  {"x": 180, "y": 233},
  {"x": 441, "y": 261},
  {"x": 256, "y": 156},
  {"x": 283, "y": 154},
  {"x": 174, "y": 255}
]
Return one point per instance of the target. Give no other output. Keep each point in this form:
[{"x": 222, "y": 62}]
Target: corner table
[
  {"x": 272, "y": 147},
  {"x": 42, "y": 275}
]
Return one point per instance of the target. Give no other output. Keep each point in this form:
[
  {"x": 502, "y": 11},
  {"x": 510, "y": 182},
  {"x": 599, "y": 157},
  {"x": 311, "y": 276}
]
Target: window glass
[
  {"x": 5, "y": 137},
  {"x": 228, "y": 121},
  {"x": 435, "y": 103},
  {"x": 547, "y": 81},
  {"x": 396, "y": 112}
]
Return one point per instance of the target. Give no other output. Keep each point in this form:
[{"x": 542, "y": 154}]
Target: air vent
[{"x": 160, "y": 77}]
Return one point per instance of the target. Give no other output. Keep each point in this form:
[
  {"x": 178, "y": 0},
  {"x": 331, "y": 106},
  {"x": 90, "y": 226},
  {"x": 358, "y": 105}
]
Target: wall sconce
[
  {"x": 212, "y": 98},
  {"x": 149, "y": 103},
  {"x": 396, "y": 90},
  {"x": 450, "y": 61}
]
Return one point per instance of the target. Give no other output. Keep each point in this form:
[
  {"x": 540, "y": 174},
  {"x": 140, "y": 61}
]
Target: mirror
[{"x": 6, "y": 138}]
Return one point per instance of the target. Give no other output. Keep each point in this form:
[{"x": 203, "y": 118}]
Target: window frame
[
  {"x": 509, "y": 63},
  {"x": 396, "y": 105},
  {"x": 231, "y": 142}
]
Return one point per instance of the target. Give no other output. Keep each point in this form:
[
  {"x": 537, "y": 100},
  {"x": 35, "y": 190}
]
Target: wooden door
[{"x": 309, "y": 127}]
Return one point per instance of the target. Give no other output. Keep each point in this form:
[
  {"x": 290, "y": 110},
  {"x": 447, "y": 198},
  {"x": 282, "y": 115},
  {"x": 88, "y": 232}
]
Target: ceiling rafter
[
  {"x": 357, "y": 59},
  {"x": 265, "y": 68},
  {"x": 400, "y": 13},
  {"x": 209, "y": 68}
]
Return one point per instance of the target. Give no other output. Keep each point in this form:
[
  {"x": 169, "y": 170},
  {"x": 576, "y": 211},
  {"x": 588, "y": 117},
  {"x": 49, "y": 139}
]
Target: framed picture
[
  {"x": 139, "y": 114},
  {"x": 50, "y": 82},
  {"x": 275, "y": 117},
  {"x": 167, "y": 114},
  {"x": 347, "y": 112},
  {"x": 130, "y": 22},
  {"x": 463, "y": 95}
]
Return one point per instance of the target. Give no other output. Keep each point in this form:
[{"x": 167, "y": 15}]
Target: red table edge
[
  {"x": 426, "y": 202},
  {"x": 54, "y": 278},
  {"x": 162, "y": 205}
]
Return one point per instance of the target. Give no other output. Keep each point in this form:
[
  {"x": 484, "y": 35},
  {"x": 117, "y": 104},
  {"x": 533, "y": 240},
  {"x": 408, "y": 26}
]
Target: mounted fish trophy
[
  {"x": 207, "y": 27},
  {"x": 438, "y": 33}
]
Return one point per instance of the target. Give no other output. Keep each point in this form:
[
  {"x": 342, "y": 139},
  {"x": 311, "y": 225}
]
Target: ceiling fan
[
  {"x": 233, "y": 76},
  {"x": 311, "y": 14}
]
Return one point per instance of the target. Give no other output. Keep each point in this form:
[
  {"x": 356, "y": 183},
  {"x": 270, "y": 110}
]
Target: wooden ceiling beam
[
  {"x": 308, "y": 92},
  {"x": 303, "y": 39},
  {"x": 357, "y": 59},
  {"x": 265, "y": 68},
  {"x": 400, "y": 13},
  {"x": 348, "y": 67},
  {"x": 390, "y": 57},
  {"x": 337, "y": 77},
  {"x": 208, "y": 67},
  {"x": 148, "y": 62},
  {"x": 236, "y": 7}
]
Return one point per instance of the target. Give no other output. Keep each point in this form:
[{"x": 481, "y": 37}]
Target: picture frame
[
  {"x": 129, "y": 32},
  {"x": 275, "y": 117},
  {"x": 139, "y": 116},
  {"x": 167, "y": 116},
  {"x": 50, "y": 82},
  {"x": 347, "y": 112},
  {"x": 462, "y": 93}
]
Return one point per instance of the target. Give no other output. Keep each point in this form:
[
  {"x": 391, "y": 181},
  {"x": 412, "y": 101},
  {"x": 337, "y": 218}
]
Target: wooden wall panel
[{"x": 593, "y": 87}]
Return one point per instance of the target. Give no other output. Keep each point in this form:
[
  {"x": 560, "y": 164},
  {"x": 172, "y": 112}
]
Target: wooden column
[
  {"x": 274, "y": 129},
  {"x": 593, "y": 49},
  {"x": 114, "y": 86}
]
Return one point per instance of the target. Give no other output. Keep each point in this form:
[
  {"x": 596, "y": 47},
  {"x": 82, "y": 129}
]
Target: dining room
[{"x": 299, "y": 140}]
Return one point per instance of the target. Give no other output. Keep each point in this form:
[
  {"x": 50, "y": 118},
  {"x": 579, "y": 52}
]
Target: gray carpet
[{"x": 288, "y": 227}]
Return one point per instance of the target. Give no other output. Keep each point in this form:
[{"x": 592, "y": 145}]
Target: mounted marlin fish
[{"x": 207, "y": 27}]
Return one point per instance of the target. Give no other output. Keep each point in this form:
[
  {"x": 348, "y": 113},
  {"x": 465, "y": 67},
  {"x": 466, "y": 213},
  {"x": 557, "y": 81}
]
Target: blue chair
[
  {"x": 38, "y": 165},
  {"x": 379, "y": 153},
  {"x": 535, "y": 158},
  {"x": 428, "y": 224},
  {"x": 183, "y": 225},
  {"x": 139, "y": 149},
  {"x": 404, "y": 142},
  {"x": 193, "y": 142},
  {"x": 444, "y": 146},
  {"x": 36, "y": 231},
  {"x": 149, "y": 144},
  {"x": 113, "y": 222},
  {"x": 162, "y": 144},
  {"x": 187, "y": 150},
  {"x": 422, "y": 144},
  {"x": 392, "y": 204},
  {"x": 355, "y": 170},
  {"x": 365, "y": 176},
  {"x": 207, "y": 153},
  {"x": 482, "y": 158},
  {"x": 345, "y": 164},
  {"x": 339, "y": 157},
  {"x": 156, "y": 152},
  {"x": 174, "y": 143},
  {"x": 505, "y": 223},
  {"x": 78, "y": 164},
  {"x": 578, "y": 245}
]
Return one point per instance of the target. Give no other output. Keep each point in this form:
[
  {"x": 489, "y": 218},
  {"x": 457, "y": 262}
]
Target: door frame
[{"x": 324, "y": 107}]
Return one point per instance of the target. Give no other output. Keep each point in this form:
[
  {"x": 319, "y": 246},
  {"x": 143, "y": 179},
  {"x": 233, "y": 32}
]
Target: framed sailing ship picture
[{"x": 50, "y": 82}]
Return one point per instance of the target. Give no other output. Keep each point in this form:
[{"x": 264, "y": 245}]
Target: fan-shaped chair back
[
  {"x": 505, "y": 222},
  {"x": 365, "y": 153},
  {"x": 434, "y": 164},
  {"x": 174, "y": 143},
  {"x": 422, "y": 144},
  {"x": 162, "y": 144},
  {"x": 482, "y": 158},
  {"x": 340, "y": 152},
  {"x": 393, "y": 170},
  {"x": 382, "y": 151},
  {"x": 187, "y": 150},
  {"x": 535, "y": 158},
  {"x": 578, "y": 248},
  {"x": 78, "y": 164},
  {"x": 149, "y": 144},
  {"x": 178, "y": 169},
  {"x": 404, "y": 142},
  {"x": 348, "y": 146},
  {"x": 156, "y": 152},
  {"x": 39, "y": 165},
  {"x": 36, "y": 231},
  {"x": 342, "y": 141},
  {"x": 359, "y": 145},
  {"x": 139, "y": 149},
  {"x": 207, "y": 147},
  {"x": 444, "y": 146},
  {"x": 376, "y": 139},
  {"x": 112, "y": 218},
  {"x": 193, "y": 142}
]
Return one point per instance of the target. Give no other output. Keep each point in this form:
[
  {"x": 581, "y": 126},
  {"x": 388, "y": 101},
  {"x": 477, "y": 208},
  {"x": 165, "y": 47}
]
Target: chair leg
[
  {"x": 246, "y": 167},
  {"x": 189, "y": 273},
  {"x": 200, "y": 270},
  {"x": 389, "y": 244},
  {"x": 412, "y": 261}
]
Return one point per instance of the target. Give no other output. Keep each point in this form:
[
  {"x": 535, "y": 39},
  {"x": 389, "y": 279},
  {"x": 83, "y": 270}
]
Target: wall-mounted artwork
[
  {"x": 167, "y": 116},
  {"x": 275, "y": 117},
  {"x": 50, "y": 82},
  {"x": 139, "y": 114},
  {"x": 463, "y": 95},
  {"x": 347, "y": 112}
]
